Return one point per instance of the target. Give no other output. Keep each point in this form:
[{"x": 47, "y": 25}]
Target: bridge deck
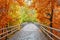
[{"x": 29, "y": 32}]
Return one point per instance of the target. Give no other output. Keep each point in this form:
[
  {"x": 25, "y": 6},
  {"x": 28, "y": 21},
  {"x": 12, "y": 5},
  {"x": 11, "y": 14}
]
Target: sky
[{"x": 28, "y": 2}]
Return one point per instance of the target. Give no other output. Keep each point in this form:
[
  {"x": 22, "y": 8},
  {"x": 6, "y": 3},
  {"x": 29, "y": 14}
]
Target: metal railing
[
  {"x": 8, "y": 31},
  {"x": 48, "y": 33}
]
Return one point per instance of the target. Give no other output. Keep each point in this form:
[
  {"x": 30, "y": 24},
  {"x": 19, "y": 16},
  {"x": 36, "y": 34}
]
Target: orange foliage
[
  {"x": 56, "y": 20},
  {"x": 20, "y": 2},
  {"x": 4, "y": 17},
  {"x": 43, "y": 8}
]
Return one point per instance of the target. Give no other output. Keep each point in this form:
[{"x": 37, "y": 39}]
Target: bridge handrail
[
  {"x": 50, "y": 27},
  {"x": 47, "y": 31},
  {"x": 47, "y": 34},
  {"x": 6, "y": 33}
]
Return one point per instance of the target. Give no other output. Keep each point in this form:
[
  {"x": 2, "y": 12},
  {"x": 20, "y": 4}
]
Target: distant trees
[{"x": 27, "y": 15}]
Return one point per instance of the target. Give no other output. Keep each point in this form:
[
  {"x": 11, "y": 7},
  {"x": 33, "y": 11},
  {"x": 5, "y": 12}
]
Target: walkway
[{"x": 29, "y": 32}]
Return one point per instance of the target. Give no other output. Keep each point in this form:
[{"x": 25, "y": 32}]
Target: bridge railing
[
  {"x": 45, "y": 28},
  {"x": 8, "y": 31}
]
